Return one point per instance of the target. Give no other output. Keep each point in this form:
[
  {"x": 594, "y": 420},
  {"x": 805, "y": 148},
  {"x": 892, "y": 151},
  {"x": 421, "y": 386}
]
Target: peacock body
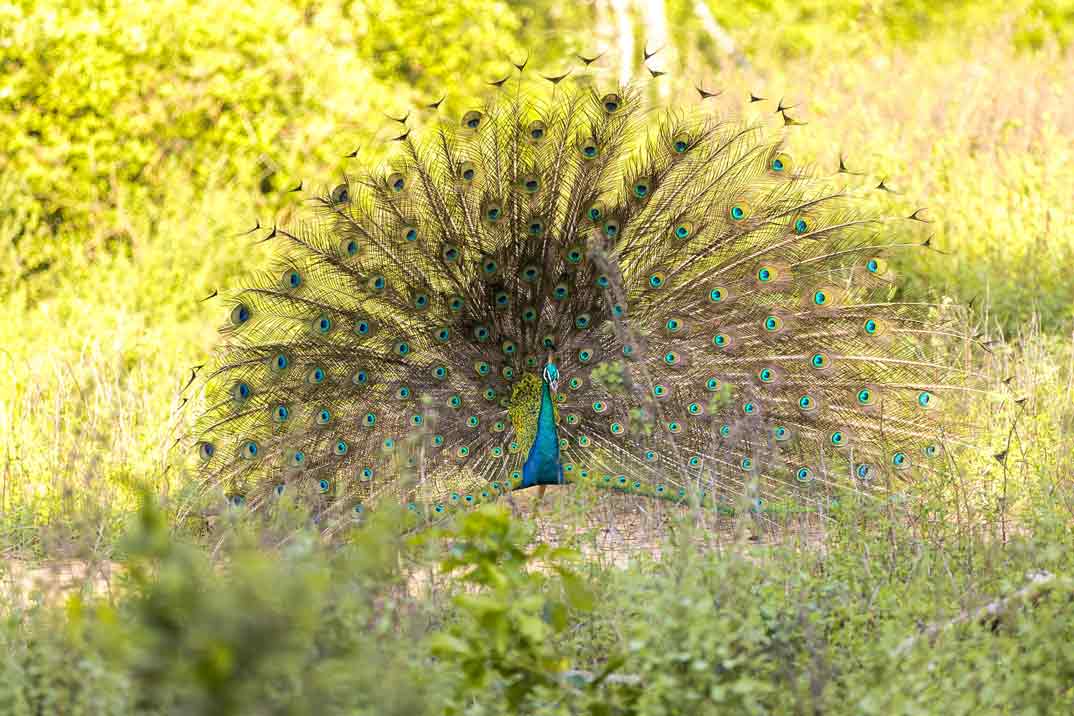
[{"x": 570, "y": 286}]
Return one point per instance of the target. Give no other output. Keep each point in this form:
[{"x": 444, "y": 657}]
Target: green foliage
[{"x": 505, "y": 638}]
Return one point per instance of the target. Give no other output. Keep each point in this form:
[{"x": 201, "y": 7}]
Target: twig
[{"x": 993, "y": 613}]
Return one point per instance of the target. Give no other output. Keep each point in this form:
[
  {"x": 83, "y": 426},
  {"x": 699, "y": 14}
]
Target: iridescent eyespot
[
  {"x": 876, "y": 266},
  {"x": 838, "y": 438},
  {"x": 780, "y": 163},
  {"x": 369, "y": 420},
  {"x": 324, "y": 416},
  {"x": 409, "y": 234},
  {"x": 931, "y": 450},
  {"x": 472, "y": 119},
  {"x": 780, "y": 433},
  {"x": 599, "y": 406},
  {"x": 360, "y": 377},
  {"x": 536, "y": 227},
  {"x": 767, "y": 274},
  {"x": 366, "y": 473},
  {"x": 588, "y": 148},
  {"x": 641, "y": 188},
  {"x": 807, "y": 403},
  {"x": 290, "y": 280},
  {"x": 341, "y": 447},
  {"x": 672, "y": 358},
  {"x": 481, "y": 333},
  {"x": 240, "y": 314},
  {"x": 926, "y": 400},
  {"x": 725, "y": 431},
  {"x": 322, "y": 324},
  {"x": 749, "y": 408},
  {"x": 602, "y": 281},
  {"x": 611, "y": 103},
  {"x": 281, "y": 413},
  {"x": 773, "y": 323},
  {"x": 536, "y": 131},
  {"x": 396, "y": 182},
  {"x": 582, "y": 321},
  {"x": 585, "y": 355},
  {"x": 900, "y": 460},
  {"x": 249, "y": 450},
  {"x": 455, "y": 303},
  {"x": 340, "y": 195},
  {"x": 324, "y": 485},
  {"x": 595, "y": 212},
  {"x": 674, "y": 427},
  {"x": 766, "y": 375},
  {"x": 695, "y": 409},
  {"x": 721, "y": 340},
  {"x": 674, "y": 325},
  {"x": 866, "y": 396},
  {"x": 492, "y": 212},
  {"x": 801, "y": 226},
  {"x": 718, "y": 294},
  {"x": 482, "y": 368},
  {"x": 377, "y": 283},
  {"x": 560, "y": 291},
  {"x": 529, "y": 314},
  {"x": 657, "y": 279},
  {"x": 616, "y": 428},
  {"x": 280, "y": 362},
  {"x": 611, "y": 229},
  {"x": 746, "y": 464},
  {"x": 349, "y": 248},
  {"x": 575, "y": 383},
  {"x": 712, "y": 385},
  {"x": 660, "y": 391},
  {"x": 530, "y": 184},
  {"x": 206, "y": 451},
  {"x": 240, "y": 392},
  {"x": 803, "y": 474},
  {"x": 401, "y": 348},
  {"x": 864, "y": 471},
  {"x": 683, "y": 231},
  {"x": 574, "y": 255},
  {"x": 316, "y": 376},
  {"x": 680, "y": 143},
  {"x": 403, "y": 392},
  {"x": 738, "y": 212},
  {"x": 450, "y": 253},
  {"x": 509, "y": 347},
  {"x": 820, "y": 361}
]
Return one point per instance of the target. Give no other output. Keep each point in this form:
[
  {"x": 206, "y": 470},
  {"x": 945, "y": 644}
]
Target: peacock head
[{"x": 551, "y": 375}]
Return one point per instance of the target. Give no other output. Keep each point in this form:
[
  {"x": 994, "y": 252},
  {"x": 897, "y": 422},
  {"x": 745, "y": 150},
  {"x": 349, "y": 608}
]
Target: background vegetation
[{"x": 138, "y": 141}]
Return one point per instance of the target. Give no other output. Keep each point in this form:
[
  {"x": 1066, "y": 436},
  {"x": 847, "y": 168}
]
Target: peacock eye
[
  {"x": 472, "y": 119},
  {"x": 240, "y": 314},
  {"x": 536, "y": 131},
  {"x": 341, "y": 194},
  {"x": 641, "y": 189},
  {"x": 396, "y": 182},
  {"x": 588, "y": 148},
  {"x": 611, "y": 103}
]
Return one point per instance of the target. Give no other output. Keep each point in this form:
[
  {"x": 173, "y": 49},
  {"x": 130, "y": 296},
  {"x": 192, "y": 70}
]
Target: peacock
[{"x": 572, "y": 285}]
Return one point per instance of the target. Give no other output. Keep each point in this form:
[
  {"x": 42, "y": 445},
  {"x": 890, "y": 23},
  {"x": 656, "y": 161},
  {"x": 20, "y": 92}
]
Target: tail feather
[{"x": 723, "y": 321}]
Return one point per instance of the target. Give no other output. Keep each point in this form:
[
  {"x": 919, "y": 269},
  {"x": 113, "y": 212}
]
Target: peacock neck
[{"x": 542, "y": 465}]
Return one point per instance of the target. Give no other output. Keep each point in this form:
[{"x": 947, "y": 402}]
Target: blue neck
[{"x": 542, "y": 465}]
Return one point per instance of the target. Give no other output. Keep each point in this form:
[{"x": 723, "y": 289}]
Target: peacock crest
[{"x": 720, "y": 321}]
